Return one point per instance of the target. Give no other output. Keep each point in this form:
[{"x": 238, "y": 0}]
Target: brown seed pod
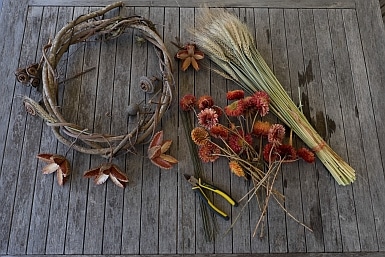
[
  {"x": 133, "y": 109},
  {"x": 33, "y": 70},
  {"x": 35, "y": 82},
  {"x": 147, "y": 84},
  {"x": 22, "y": 76}
]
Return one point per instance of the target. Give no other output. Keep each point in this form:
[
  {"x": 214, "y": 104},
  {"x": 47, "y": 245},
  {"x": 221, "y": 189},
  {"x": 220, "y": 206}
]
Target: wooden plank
[
  {"x": 43, "y": 186},
  {"x": 202, "y": 86},
  {"x": 19, "y": 230},
  {"x": 362, "y": 202},
  {"x": 188, "y": 201},
  {"x": 131, "y": 231},
  {"x": 335, "y": 127},
  {"x": 260, "y": 242},
  {"x": 308, "y": 173},
  {"x": 149, "y": 237},
  {"x": 104, "y": 218},
  {"x": 56, "y": 231},
  {"x": 292, "y": 180},
  {"x": 368, "y": 77},
  {"x": 85, "y": 98},
  {"x": 12, "y": 113},
  {"x": 216, "y": 3},
  {"x": 276, "y": 216},
  {"x": 168, "y": 187}
]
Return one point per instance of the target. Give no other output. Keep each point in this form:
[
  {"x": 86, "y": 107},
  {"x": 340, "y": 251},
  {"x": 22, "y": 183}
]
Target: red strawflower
[
  {"x": 204, "y": 102},
  {"x": 287, "y": 151},
  {"x": 276, "y": 134},
  {"x": 234, "y": 109},
  {"x": 269, "y": 153},
  {"x": 208, "y": 152},
  {"x": 239, "y": 141},
  {"x": 261, "y": 100},
  {"x": 235, "y": 94},
  {"x": 306, "y": 155},
  {"x": 207, "y": 118},
  {"x": 187, "y": 102},
  {"x": 219, "y": 131}
]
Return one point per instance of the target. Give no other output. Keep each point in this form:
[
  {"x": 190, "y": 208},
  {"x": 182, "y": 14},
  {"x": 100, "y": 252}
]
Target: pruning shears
[{"x": 199, "y": 185}]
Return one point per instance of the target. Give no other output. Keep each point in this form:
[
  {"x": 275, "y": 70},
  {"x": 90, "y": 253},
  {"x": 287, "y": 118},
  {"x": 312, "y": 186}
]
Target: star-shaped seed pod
[
  {"x": 156, "y": 152},
  {"x": 105, "y": 171},
  {"x": 190, "y": 56},
  {"x": 56, "y": 163}
]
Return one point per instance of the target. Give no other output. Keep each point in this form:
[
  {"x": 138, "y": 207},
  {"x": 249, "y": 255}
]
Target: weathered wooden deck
[{"x": 342, "y": 41}]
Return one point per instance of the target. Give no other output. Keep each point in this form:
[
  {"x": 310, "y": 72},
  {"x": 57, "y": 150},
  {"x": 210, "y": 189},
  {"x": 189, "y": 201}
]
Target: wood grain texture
[{"x": 330, "y": 59}]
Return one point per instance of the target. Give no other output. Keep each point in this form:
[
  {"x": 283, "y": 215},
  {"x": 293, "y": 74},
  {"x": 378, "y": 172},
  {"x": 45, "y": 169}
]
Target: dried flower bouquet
[{"x": 228, "y": 43}]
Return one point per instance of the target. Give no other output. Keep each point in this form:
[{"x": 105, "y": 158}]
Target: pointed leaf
[
  {"x": 182, "y": 54},
  {"x": 194, "y": 64},
  {"x": 60, "y": 177},
  {"x": 117, "y": 173},
  {"x": 92, "y": 173},
  {"x": 101, "y": 178},
  {"x": 186, "y": 63},
  {"x": 117, "y": 182},
  {"x": 50, "y": 168},
  {"x": 154, "y": 152},
  {"x": 157, "y": 139},
  {"x": 168, "y": 158},
  {"x": 166, "y": 145},
  {"x": 45, "y": 157},
  {"x": 161, "y": 163},
  {"x": 198, "y": 55}
]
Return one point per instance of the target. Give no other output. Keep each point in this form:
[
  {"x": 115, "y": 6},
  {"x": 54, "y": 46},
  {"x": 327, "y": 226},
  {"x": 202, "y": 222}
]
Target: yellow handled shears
[{"x": 199, "y": 185}]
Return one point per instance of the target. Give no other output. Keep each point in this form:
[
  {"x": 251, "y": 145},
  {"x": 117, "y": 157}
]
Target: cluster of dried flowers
[
  {"x": 240, "y": 132},
  {"x": 243, "y": 137}
]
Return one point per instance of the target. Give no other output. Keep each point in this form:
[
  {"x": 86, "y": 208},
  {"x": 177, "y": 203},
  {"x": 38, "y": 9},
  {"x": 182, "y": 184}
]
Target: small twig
[{"x": 77, "y": 75}]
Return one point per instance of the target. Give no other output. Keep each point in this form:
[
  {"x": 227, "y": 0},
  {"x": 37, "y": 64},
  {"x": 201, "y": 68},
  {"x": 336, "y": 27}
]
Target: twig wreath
[{"x": 79, "y": 30}]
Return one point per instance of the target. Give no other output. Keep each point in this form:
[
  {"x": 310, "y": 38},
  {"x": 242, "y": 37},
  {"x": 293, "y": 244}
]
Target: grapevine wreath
[{"x": 75, "y": 136}]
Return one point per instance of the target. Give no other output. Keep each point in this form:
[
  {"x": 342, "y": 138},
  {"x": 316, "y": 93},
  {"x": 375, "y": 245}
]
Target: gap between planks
[{"x": 294, "y": 4}]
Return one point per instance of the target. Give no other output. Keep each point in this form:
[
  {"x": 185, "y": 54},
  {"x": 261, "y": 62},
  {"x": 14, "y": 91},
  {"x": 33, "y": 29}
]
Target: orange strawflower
[
  {"x": 261, "y": 128},
  {"x": 199, "y": 135},
  {"x": 236, "y": 169}
]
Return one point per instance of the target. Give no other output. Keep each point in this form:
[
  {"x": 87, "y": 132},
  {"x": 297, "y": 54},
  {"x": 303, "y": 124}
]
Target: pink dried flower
[
  {"x": 207, "y": 118},
  {"x": 261, "y": 100},
  {"x": 276, "y": 134}
]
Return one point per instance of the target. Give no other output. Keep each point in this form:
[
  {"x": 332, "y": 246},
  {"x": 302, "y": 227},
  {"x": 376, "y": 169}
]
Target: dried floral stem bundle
[
  {"x": 227, "y": 42},
  {"x": 79, "y": 30}
]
